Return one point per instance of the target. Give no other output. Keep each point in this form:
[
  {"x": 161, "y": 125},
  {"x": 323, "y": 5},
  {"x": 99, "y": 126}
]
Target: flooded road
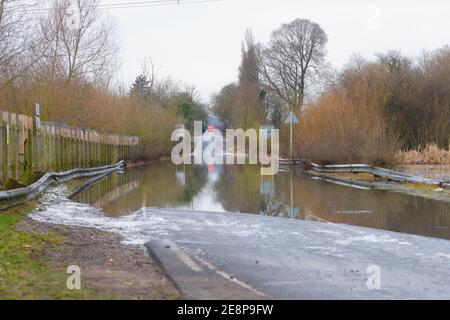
[
  {"x": 214, "y": 255},
  {"x": 181, "y": 216},
  {"x": 242, "y": 189}
]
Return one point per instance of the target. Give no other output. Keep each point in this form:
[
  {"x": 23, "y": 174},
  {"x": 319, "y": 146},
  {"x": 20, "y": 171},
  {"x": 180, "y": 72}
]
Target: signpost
[{"x": 291, "y": 119}]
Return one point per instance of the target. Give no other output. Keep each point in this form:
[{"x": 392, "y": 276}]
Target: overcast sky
[{"x": 199, "y": 44}]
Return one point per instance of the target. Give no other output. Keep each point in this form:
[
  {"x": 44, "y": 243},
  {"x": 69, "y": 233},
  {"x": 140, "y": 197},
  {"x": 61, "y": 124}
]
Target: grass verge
[{"x": 25, "y": 273}]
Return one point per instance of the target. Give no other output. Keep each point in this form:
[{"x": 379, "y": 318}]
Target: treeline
[
  {"x": 374, "y": 109},
  {"x": 368, "y": 111},
  {"x": 275, "y": 77},
  {"x": 158, "y": 106},
  {"x": 64, "y": 54},
  {"x": 242, "y": 104}
]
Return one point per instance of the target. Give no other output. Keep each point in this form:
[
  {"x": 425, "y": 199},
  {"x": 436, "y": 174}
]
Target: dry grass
[
  {"x": 86, "y": 106},
  {"x": 154, "y": 126},
  {"x": 343, "y": 129},
  {"x": 429, "y": 155},
  {"x": 355, "y": 176}
]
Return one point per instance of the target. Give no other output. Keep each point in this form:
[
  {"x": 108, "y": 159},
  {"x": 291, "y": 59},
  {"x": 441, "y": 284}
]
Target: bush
[
  {"x": 339, "y": 130},
  {"x": 154, "y": 126}
]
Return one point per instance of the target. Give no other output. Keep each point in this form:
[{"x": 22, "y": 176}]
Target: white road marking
[
  {"x": 183, "y": 256},
  {"x": 230, "y": 278}
]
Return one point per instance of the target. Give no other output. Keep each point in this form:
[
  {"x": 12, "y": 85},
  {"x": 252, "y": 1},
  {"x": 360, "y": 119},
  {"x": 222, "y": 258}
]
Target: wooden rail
[{"x": 29, "y": 148}]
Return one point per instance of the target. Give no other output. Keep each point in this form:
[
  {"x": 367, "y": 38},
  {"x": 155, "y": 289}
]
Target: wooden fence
[{"x": 29, "y": 147}]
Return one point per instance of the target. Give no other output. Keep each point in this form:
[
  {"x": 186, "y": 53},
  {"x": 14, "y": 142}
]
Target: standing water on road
[{"x": 243, "y": 189}]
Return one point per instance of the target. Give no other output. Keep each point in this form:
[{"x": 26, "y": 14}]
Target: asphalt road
[
  {"x": 244, "y": 256},
  {"x": 229, "y": 256}
]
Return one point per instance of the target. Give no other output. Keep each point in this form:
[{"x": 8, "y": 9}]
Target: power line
[
  {"x": 139, "y": 3},
  {"x": 24, "y": 6},
  {"x": 155, "y": 4},
  {"x": 121, "y": 5}
]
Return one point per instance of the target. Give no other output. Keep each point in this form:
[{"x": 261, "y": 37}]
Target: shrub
[{"x": 338, "y": 129}]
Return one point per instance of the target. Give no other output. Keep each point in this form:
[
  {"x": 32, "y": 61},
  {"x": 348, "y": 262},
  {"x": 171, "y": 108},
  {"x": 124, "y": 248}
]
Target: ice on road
[{"x": 275, "y": 257}]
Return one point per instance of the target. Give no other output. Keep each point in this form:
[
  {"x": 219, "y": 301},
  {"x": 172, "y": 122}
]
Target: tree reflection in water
[{"x": 240, "y": 188}]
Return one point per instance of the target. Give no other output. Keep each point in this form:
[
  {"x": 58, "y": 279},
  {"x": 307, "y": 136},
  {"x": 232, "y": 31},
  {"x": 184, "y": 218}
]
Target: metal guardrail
[
  {"x": 80, "y": 188},
  {"x": 363, "y": 168},
  {"x": 52, "y": 177}
]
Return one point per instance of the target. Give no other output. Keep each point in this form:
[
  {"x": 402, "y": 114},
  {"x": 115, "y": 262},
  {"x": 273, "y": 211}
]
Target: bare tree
[
  {"x": 249, "y": 111},
  {"x": 159, "y": 87},
  {"x": 295, "y": 52},
  {"x": 82, "y": 41},
  {"x": 394, "y": 61},
  {"x": 16, "y": 39},
  {"x": 225, "y": 101},
  {"x": 149, "y": 70}
]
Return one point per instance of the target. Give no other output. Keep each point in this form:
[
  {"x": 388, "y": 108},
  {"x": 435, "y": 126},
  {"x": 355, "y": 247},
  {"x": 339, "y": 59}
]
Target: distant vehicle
[{"x": 215, "y": 122}]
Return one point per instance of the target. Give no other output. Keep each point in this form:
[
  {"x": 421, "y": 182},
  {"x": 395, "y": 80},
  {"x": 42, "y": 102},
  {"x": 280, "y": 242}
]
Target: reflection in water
[
  {"x": 243, "y": 189},
  {"x": 160, "y": 185}
]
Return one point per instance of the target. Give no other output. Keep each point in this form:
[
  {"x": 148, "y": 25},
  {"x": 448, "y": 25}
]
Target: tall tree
[
  {"x": 249, "y": 110},
  {"x": 224, "y": 102},
  {"x": 17, "y": 39},
  {"x": 81, "y": 40},
  {"x": 295, "y": 52}
]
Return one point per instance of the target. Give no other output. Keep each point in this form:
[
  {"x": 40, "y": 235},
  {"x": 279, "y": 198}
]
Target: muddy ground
[{"x": 108, "y": 267}]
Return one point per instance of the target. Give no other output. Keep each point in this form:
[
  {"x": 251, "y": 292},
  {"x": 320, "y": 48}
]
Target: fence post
[
  {"x": 29, "y": 152},
  {"x": 37, "y": 136},
  {"x": 22, "y": 122},
  {"x": 28, "y": 146},
  {"x": 4, "y": 127},
  {"x": 54, "y": 150}
]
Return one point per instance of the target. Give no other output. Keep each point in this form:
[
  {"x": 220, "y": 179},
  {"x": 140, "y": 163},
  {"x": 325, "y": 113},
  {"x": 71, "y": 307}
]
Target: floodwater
[
  {"x": 240, "y": 188},
  {"x": 437, "y": 172}
]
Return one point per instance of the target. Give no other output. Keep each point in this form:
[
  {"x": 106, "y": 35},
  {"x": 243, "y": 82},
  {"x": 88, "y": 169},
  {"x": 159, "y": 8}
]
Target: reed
[{"x": 431, "y": 154}]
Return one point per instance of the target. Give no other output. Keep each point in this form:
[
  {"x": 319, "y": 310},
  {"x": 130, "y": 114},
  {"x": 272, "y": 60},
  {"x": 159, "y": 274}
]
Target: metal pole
[
  {"x": 292, "y": 199},
  {"x": 290, "y": 135}
]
